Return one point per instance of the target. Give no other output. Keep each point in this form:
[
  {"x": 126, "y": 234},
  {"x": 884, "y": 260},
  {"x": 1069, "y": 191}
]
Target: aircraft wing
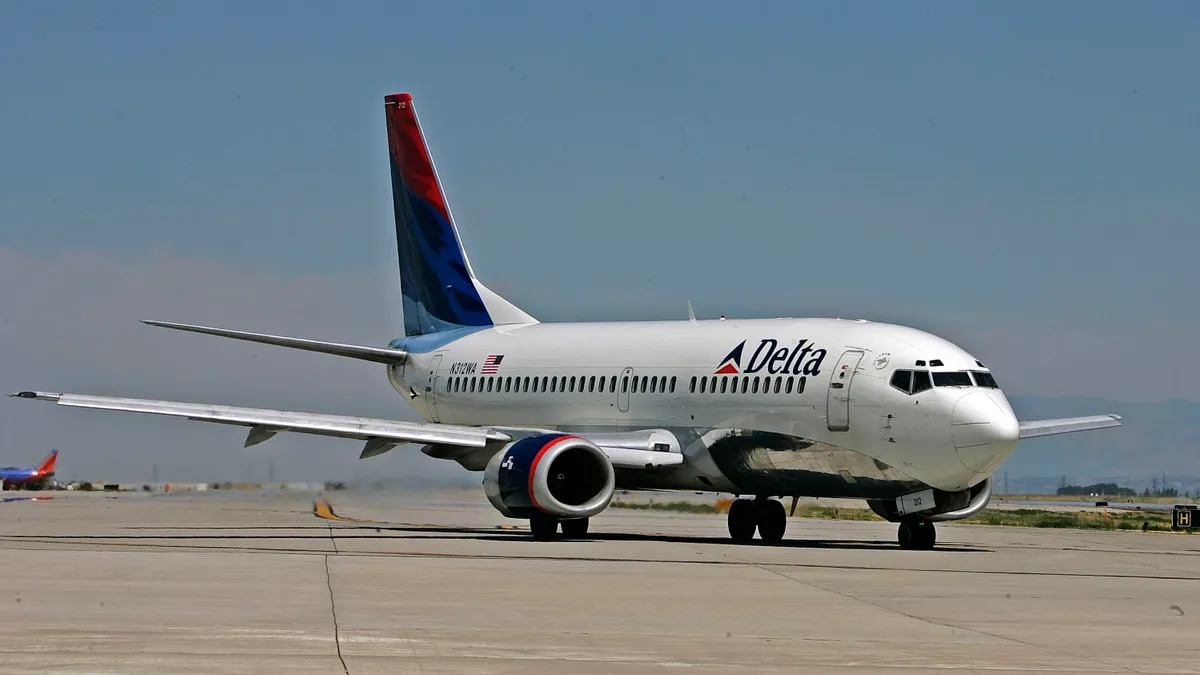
[
  {"x": 1066, "y": 425},
  {"x": 646, "y": 449},
  {"x": 266, "y": 423}
]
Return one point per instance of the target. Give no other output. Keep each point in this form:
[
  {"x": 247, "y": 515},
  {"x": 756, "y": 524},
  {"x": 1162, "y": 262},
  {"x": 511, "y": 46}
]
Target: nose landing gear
[
  {"x": 916, "y": 535},
  {"x": 767, "y": 516}
]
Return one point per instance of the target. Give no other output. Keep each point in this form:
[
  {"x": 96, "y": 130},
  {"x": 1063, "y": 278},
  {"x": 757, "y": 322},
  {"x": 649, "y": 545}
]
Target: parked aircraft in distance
[
  {"x": 558, "y": 415},
  {"x": 12, "y": 477}
]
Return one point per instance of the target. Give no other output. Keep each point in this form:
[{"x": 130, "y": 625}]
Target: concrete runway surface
[{"x": 438, "y": 582}]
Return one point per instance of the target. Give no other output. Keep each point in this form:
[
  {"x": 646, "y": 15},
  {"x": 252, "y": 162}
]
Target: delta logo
[{"x": 802, "y": 359}]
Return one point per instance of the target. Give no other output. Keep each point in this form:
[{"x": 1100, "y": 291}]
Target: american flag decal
[{"x": 492, "y": 364}]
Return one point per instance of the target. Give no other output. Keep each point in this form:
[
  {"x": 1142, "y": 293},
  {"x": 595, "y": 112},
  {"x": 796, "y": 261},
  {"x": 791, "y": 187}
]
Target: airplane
[
  {"x": 557, "y": 416},
  {"x": 13, "y": 478}
]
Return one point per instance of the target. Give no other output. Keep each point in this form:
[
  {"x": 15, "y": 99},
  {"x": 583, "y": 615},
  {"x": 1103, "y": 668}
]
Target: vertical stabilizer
[
  {"x": 47, "y": 466},
  {"x": 440, "y": 290}
]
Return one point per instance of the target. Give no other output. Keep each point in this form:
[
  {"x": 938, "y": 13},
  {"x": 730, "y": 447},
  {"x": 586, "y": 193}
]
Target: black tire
[
  {"x": 543, "y": 527},
  {"x": 574, "y": 529},
  {"x": 916, "y": 535},
  {"x": 742, "y": 520},
  {"x": 772, "y": 520}
]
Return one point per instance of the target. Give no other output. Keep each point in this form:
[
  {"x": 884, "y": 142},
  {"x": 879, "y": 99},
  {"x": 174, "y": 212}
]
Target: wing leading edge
[{"x": 1067, "y": 425}]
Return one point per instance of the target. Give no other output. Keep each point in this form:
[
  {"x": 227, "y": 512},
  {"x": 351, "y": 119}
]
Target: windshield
[
  {"x": 985, "y": 379},
  {"x": 953, "y": 379}
]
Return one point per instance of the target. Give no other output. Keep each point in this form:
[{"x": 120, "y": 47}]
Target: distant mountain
[{"x": 1155, "y": 438}]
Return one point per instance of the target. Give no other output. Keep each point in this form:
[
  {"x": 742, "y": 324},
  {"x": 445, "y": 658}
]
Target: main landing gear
[
  {"x": 765, "y": 515},
  {"x": 546, "y": 527},
  {"x": 916, "y": 535}
]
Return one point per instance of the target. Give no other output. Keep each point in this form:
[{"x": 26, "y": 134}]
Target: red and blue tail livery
[
  {"x": 15, "y": 477},
  {"x": 438, "y": 289}
]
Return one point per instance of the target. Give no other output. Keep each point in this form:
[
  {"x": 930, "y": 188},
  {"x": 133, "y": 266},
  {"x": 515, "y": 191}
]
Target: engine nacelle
[{"x": 559, "y": 475}]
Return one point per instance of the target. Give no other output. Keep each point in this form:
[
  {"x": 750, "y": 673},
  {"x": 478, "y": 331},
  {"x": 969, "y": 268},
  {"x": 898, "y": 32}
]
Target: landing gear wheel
[
  {"x": 772, "y": 520},
  {"x": 543, "y": 527},
  {"x": 742, "y": 520},
  {"x": 574, "y": 529},
  {"x": 917, "y": 535}
]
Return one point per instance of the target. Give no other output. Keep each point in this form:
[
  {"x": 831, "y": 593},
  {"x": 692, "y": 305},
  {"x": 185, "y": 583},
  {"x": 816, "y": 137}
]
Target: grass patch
[
  {"x": 678, "y": 507},
  {"x": 1082, "y": 520}
]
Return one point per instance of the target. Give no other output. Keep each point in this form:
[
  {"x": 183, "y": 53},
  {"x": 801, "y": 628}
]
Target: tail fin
[
  {"x": 440, "y": 291},
  {"x": 48, "y": 463}
]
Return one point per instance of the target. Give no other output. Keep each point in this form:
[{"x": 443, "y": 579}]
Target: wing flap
[
  {"x": 265, "y": 423},
  {"x": 1067, "y": 425}
]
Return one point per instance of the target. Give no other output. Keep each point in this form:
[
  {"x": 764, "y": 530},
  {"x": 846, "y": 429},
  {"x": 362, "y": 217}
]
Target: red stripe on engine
[{"x": 533, "y": 466}]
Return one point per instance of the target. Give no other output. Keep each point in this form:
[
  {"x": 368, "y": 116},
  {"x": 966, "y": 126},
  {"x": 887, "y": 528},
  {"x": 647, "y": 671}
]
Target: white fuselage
[{"x": 823, "y": 383}]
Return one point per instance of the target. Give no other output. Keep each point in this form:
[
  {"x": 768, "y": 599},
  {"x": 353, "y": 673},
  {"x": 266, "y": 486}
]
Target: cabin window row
[
  {"x": 652, "y": 384},
  {"x": 748, "y": 385}
]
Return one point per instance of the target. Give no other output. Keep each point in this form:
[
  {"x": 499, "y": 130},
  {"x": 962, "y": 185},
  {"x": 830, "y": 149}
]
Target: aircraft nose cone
[{"x": 985, "y": 430}]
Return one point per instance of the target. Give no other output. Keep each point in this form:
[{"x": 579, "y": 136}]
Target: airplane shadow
[{"x": 479, "y": 534}]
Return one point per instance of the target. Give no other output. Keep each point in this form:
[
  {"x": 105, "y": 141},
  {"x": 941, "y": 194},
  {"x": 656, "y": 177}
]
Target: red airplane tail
[{"x": 48, "y": 463}]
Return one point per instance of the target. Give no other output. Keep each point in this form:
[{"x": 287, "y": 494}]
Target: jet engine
[{"x": 559, "y": 475}]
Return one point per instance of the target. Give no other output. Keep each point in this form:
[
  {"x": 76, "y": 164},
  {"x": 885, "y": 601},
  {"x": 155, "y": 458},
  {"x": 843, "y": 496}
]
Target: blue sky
[{"x": 1020, "y": 176}]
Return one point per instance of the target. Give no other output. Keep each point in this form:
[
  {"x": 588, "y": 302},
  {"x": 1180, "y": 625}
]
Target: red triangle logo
[{"x": 727, "y": 369}]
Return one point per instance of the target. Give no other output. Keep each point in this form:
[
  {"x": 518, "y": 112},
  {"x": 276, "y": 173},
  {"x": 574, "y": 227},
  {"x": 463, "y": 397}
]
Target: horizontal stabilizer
[
  {"x": 1067, "y": 425},
  {"x": 376, "y": 354}
]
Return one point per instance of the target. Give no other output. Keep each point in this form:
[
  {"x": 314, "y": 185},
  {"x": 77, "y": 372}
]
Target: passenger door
[
  {"x": 837, "y": 402},
  {"x": 623, "y": 389}
]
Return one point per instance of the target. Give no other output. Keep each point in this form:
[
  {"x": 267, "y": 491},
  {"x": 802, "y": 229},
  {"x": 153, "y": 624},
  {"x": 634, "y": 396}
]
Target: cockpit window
[
  {"x": 921, "y": 381},
  {"x": 902, "y": 380},
  {"x": 952, "y": 379},
  {"x": 985, "y": 379}
]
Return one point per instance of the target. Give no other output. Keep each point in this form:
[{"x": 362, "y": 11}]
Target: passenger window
[
  {"x": 800, "y": 384},
  {"x": 672, "y": 384},
  {"x": 472, "y": 385},
  {"x": 703, "y": 384},
  {"x": 902, "y": 380},
  {"x": 778, "y": 381},
  {"x": 755, "y": 388},
  {"x": 489, "y": 384},
  {"x": 545, "y": 382},
  {"x": 525, "y": 387},
  {"x": 745, "y": 383},
  {"x": 766, "y": 385},
  {"x": 591, "y": 384},
  {"x": 553, "y": 384},
  {"x": 624, "y": 384},
  {"x": 921, "y": 381},
  {"x": 612, "y": 385},
  {"x": 787, "y": 389},
  {"x": 724, "y": 384},
  {"x": 692, "y": 386},
  {"x": 653, "y": 385},
  {"x": 644, "y": 378}
]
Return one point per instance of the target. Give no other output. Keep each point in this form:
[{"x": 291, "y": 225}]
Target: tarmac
[{"x": 438, "y": 582}]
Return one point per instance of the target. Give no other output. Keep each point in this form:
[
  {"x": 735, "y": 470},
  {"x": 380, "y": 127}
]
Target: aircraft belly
[{"x": 773, "y": 464}]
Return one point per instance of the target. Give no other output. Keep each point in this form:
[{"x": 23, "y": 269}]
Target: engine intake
[{"x": 560, "y": 475}]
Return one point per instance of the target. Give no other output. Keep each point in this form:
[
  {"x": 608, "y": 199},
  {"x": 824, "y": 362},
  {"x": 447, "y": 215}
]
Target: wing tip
[{"x": 37, "y": 395}]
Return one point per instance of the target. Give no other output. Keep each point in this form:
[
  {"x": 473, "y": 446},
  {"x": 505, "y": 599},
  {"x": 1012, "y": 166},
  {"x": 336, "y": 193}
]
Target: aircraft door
[
  {"x": 837, "y": 402},
  {"x": 624, "y": 386},
  {"x": 431, "y": 387}
]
